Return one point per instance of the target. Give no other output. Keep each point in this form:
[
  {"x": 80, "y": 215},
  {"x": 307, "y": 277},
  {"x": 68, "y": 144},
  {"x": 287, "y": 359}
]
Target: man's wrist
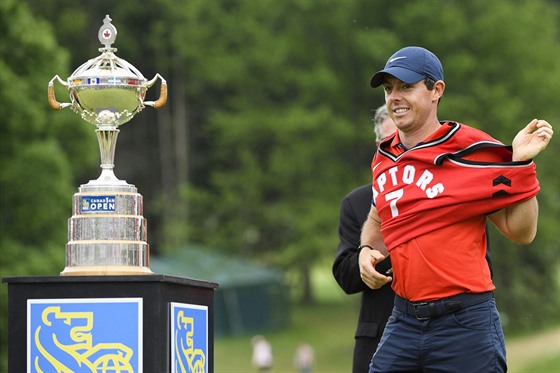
[{"x": 365, "y": 245}]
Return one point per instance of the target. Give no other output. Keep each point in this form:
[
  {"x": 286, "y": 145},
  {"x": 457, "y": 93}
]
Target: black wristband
[{"x": 362, "y": 246}]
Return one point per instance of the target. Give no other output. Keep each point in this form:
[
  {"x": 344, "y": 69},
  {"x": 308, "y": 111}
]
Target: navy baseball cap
[{"x": 410, "y": 65}]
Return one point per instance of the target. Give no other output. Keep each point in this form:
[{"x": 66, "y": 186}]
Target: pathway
[{"x": 521, "y": 351}]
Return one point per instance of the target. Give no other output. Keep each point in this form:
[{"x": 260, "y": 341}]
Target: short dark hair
[{"x": 429, "y": 83}]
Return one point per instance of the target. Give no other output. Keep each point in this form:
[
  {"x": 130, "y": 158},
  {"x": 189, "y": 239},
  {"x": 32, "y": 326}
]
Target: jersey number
[{"x": 392, "y": 198}]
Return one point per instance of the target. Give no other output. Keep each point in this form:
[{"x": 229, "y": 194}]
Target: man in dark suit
[{"x": 376, "y": 305}]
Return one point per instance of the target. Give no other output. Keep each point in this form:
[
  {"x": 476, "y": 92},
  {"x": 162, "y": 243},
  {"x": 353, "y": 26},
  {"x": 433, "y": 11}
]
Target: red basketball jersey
[{"x": 433, "y": 200}]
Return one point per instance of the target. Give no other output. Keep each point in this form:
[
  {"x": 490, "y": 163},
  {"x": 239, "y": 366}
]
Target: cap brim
[{"x": 400, "y": 73}]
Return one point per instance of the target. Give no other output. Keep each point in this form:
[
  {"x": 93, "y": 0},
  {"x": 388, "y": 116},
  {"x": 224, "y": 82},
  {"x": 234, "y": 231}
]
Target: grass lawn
[
  {"x": 537, "y": 353},
  {"x": 329, "y": 328},
  {"x": 550, "y": 364}
]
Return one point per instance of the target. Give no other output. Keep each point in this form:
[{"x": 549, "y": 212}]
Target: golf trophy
[{"x": 107, "y": 234}]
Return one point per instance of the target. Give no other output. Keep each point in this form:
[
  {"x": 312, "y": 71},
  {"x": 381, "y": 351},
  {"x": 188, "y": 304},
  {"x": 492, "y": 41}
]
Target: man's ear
[{"x": 439, "y": 87}]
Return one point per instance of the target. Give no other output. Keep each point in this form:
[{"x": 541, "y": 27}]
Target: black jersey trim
[
  {"x": 457, "y": 157},
  {"x": 454, "y": 128}
]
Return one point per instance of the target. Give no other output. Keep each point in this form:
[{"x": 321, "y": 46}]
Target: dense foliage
[
  {"x": 40, "y": 153},
  {"x": 268, "y": 121}
]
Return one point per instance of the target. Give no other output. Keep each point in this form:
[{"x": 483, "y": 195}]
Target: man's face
[{"x": 410, "y": 106}]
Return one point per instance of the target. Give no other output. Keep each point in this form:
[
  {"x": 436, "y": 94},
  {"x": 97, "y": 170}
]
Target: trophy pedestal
[
  {"x": 107, "y": 234},
  {"x": 147, "y": 324}
]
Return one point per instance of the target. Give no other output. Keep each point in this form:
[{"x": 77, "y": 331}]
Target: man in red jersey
[{"x": 434, "y": 185}]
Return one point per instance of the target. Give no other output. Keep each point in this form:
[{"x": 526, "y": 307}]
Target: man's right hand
[{"x": 367, "y": 261}]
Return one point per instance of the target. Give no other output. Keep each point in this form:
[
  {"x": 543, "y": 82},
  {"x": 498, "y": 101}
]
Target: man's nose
[{"x": 394, "y": 95}]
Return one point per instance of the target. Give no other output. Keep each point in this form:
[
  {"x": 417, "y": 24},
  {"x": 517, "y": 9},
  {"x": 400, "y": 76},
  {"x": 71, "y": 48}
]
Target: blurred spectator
[
  {"x": 262, "y": 354},
  {"x": 305, "y": 358}
]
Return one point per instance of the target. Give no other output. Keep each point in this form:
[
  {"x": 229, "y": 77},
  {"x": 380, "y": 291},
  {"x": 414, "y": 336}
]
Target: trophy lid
[
  {"x": 107, "y": 91},
  {"x": 107, "y": 69}
]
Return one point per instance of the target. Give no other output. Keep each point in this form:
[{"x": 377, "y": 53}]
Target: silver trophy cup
[{"x": 107, "y": 234}]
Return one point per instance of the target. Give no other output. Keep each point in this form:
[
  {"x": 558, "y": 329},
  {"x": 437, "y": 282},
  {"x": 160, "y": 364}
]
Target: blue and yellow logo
[
  {"x": 189, "y": 338},
  {"x": 85, "y": 335}
]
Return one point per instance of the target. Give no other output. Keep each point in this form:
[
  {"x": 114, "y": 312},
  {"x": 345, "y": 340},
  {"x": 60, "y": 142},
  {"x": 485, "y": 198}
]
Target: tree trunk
[{"x": 307, "y": 296}]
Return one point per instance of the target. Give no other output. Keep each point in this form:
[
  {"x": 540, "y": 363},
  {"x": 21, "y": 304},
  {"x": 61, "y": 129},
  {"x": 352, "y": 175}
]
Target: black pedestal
[{"x": 59, "y": 321}]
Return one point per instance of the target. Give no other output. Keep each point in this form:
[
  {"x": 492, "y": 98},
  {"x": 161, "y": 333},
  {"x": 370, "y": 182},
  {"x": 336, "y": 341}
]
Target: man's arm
[
  {"x": 373, "y": 253},
  {"x": 345, "y": 267},
  {"x": 519, "y": 222}
]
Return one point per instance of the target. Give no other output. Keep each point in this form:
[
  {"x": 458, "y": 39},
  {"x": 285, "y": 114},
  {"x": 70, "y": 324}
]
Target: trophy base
[
  {"x": 107, "y": 233},
  {"x": 105, "y": 271}
]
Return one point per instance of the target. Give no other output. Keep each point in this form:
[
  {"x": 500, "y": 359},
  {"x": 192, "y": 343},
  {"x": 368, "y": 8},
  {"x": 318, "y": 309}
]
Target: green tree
[
  {"x": 41, "y": 152},
  {"x": 269, "y": 184}
]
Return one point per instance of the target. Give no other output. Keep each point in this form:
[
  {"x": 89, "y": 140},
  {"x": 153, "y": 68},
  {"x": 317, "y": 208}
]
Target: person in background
[
  {"x": 304, "y": 360},
  {"x": 434, "y": 185},
  {"x": 376, "y": 305},
  {"x": 262, "y": 354}
]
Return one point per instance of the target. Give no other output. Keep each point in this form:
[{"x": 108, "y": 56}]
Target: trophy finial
[{"x": 107, "y": 33}]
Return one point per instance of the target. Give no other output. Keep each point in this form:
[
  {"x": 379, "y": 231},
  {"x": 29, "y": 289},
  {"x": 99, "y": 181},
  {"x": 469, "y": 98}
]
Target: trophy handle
[
  {"x": 52, "y": 99},
  {"x": 160, "y": 102}
]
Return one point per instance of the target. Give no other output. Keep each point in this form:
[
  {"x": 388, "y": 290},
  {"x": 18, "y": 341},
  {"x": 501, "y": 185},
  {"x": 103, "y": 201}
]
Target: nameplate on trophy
[{"x": 97, "y": 204}]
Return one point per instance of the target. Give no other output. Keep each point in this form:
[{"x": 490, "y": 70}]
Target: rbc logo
[
  {"x": 189, "y": 338},
  {"x": 85, "y": 335}
]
